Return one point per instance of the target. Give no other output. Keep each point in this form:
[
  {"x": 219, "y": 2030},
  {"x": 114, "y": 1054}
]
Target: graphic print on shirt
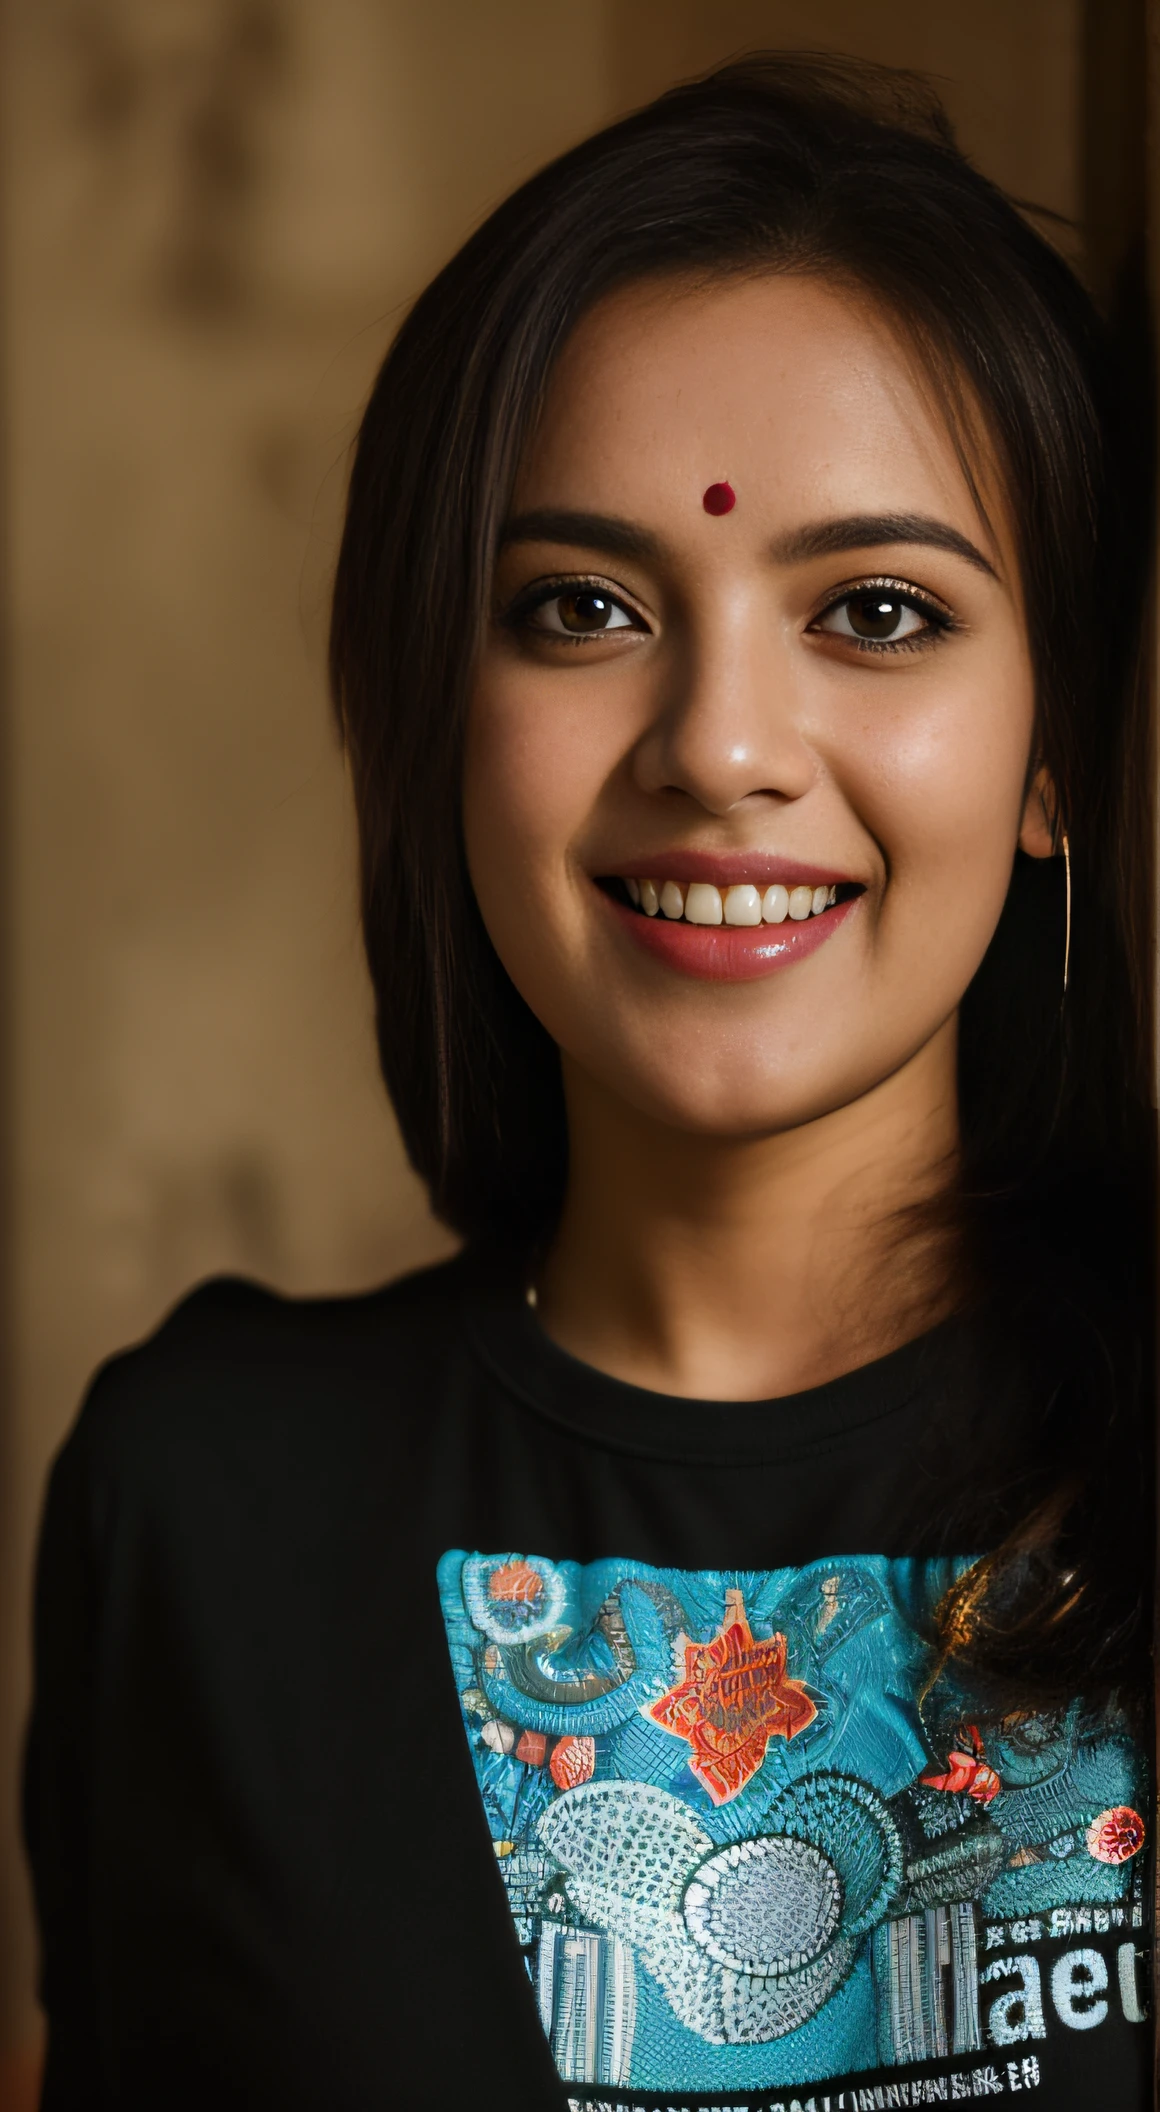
[{"x": 744, "y": 1849}]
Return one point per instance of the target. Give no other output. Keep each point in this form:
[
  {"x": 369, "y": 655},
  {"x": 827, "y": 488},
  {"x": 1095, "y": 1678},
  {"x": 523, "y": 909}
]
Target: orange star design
[{"x": 735, "y": 1696}]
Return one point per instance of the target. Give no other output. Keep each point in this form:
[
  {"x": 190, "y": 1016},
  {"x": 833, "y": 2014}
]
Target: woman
[{"x": 689, "y": 1649}]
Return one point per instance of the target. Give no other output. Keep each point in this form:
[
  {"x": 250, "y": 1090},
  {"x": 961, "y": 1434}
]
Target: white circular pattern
[
  {"x": 536, "y": 1610},
  {"x": 764, "y": 1906}
]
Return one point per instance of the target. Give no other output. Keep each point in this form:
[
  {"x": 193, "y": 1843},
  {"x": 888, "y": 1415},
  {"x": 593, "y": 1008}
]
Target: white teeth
[
  {"x": 742, "y": 905},
  {"x": 672, "y": 900},
  {"x": 703, "y": 903}
]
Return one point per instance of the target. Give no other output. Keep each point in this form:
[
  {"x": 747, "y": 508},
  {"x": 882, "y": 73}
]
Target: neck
[{"x": 740, "y": 1269}]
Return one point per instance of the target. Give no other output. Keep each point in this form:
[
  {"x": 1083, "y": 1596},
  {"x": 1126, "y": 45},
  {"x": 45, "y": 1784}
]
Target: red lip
[
  {"x": 728, "y": 869},
  {"x": 729, "y": 953}
]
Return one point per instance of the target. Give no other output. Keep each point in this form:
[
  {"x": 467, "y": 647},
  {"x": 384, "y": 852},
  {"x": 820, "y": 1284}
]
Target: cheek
[
  {"x": 528, "y": 780},
  {"x": 943, "y": 793},
  {"x": 506, "y": 792}
]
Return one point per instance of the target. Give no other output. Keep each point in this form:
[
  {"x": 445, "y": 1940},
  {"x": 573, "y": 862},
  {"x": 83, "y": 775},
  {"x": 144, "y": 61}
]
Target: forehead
[{"x": 801, "y": 392}]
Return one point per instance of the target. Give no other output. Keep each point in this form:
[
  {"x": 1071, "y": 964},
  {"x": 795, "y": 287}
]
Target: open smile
[{"x": 748, "y": 919}]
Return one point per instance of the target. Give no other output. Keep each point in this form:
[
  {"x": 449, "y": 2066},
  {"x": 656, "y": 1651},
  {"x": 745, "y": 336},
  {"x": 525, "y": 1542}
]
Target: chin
[{"x": 731, "y": 1104}]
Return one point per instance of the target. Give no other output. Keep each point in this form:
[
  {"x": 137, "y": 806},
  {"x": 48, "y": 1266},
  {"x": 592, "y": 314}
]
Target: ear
[{"x": 1037, "y": 836}]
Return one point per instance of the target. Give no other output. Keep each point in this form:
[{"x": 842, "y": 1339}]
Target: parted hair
[{"x": 799, "y": 163}]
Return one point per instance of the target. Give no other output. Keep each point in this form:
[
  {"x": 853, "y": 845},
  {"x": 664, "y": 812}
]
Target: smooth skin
[{"x": 741, "y": 1151}]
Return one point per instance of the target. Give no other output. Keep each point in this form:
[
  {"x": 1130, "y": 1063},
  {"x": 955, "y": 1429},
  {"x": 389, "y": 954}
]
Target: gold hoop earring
[{"x": 1067, "y": 922}]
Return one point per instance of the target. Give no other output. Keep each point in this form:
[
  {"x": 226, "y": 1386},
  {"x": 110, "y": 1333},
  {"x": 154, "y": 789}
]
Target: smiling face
[{"x": 743, "y": 787}]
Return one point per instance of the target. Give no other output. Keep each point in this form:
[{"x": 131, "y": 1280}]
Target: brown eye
[
  {"x": 585, "y": 612},
  {"x": 879, "y": 616},
  {"x": 579, "y": 612},
  {"x": 876, "y": 615}
]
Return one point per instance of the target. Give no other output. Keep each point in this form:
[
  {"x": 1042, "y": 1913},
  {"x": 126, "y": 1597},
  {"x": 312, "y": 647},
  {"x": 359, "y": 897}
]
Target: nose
[{"x": 728, "y": 725}]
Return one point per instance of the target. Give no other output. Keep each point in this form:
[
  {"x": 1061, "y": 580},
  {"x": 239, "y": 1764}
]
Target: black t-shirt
[{"x": 424, "y": 1719}]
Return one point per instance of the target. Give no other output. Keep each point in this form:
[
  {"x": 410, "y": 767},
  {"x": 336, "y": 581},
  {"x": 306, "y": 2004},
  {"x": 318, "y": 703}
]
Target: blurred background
[{"x": 215, "y": 212}]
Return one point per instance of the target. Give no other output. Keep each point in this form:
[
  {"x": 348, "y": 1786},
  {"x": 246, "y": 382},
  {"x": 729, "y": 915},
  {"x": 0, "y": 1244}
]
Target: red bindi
[{"x": 720, "y": 498}]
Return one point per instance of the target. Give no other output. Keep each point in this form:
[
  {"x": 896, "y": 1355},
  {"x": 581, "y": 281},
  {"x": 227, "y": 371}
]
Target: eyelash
[
  {"x": 938, "y": 618},
  {"x": 538, "y": 597}
]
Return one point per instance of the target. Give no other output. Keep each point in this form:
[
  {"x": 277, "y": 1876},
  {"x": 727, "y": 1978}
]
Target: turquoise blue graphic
[{"x": 742, "y": 1844}]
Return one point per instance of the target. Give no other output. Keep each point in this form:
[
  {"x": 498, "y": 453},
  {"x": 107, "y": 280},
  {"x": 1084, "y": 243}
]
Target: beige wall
[{"x": 215, "y": 208}]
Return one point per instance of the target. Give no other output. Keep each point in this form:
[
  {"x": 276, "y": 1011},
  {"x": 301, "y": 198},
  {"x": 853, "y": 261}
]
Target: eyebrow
[
  {"x": 865, "y": 531},
  {"x": 585, "y": 531},
  {"x": 855, "y": 531}
]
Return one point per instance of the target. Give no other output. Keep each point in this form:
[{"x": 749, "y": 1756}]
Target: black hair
[{"x": 787, "y": 162}]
